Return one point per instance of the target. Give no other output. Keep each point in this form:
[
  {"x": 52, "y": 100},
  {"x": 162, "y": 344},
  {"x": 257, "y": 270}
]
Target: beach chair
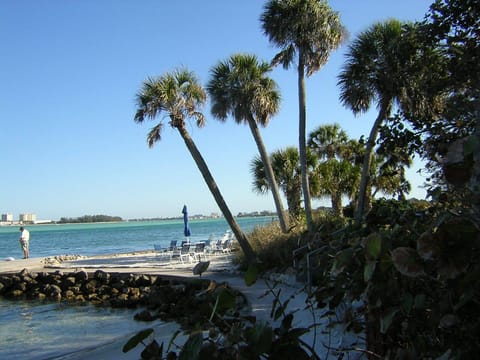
[
  {"x": 165, "y": 252},
  {"x": 219, "y": 244},
  {"x": 185, "y": 253},
  {"x": 199, "y": 251}
]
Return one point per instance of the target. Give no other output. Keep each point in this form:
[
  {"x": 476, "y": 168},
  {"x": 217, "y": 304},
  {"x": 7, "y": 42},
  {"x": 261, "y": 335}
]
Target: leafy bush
[{"x": 417, "y": 272}]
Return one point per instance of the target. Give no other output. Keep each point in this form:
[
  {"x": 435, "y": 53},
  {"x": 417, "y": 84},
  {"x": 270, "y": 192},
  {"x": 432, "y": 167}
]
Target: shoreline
[{"x": 259, "y": 299}]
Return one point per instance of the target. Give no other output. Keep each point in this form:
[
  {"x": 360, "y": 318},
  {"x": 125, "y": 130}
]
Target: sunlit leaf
[
  {"x": 251, "y": 275},
  {"x": 407, "y": 261},
  {"x": 373, "y": 246}
]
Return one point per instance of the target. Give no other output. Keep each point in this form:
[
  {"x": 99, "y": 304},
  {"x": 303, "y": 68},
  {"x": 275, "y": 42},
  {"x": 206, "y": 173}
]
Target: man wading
[{"x": 24, "y": 241}]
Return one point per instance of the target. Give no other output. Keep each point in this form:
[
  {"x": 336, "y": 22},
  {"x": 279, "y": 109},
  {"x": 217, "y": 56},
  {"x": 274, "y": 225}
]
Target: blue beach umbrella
[{"x": 186, "y": 230}]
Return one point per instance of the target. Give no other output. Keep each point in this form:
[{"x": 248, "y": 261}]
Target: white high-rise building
[
  {"x": 27, "y": 217},
  {"x": 7, "y": 217}
]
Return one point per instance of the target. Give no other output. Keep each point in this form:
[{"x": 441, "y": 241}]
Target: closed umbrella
[{"x": 186, "y": 229}]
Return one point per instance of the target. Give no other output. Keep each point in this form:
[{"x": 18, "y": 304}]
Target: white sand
[{"x": 220, "y": 270}]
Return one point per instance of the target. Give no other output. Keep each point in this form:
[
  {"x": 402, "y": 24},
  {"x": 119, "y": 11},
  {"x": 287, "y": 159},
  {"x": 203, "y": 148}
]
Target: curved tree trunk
[
  {"x": 202, "y": 166},
  {"x": 367, "y": 161},
  {"x": 270, "y": 175},
  {"x": 302, "y": 124}
]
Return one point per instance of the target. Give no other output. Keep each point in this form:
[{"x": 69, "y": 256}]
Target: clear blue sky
[{"x": 69, "y": 72}]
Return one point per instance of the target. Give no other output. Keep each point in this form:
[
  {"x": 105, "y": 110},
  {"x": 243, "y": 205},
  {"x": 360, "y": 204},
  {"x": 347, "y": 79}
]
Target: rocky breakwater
[{"x": 188, "y": 301}]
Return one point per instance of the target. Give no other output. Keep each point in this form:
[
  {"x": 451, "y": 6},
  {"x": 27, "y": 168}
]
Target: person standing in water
[{"x": 25, "y": 241}]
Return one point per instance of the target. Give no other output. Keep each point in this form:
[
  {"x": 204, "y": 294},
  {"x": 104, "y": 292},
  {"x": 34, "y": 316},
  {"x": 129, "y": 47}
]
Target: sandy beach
[{"x": 221, "y": 270}]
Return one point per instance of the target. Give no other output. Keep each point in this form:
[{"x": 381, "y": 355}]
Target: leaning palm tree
[
  {"x": 179, "y": 95},
  {"x": 286, "y": 166},
  {"x": 373, "y": 73},
  {"x": 305, "y": 31},
  {"x": 239, "y": 86}
]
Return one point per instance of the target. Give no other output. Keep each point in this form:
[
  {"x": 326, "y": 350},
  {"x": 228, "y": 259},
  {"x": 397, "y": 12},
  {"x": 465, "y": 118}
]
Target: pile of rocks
[{"x": 186, "y": 301}]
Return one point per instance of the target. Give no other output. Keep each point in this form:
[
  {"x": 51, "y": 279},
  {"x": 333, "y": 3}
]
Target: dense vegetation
[
  {"x": 414, "y": 265},
  {"x": 90, "y": 219}
]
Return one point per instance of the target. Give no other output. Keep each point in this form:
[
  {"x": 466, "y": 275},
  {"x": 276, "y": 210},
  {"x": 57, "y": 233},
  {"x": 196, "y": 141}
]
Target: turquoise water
[
  {"x": 107, "y": 238},
  {"x": 46, "y": 330}
]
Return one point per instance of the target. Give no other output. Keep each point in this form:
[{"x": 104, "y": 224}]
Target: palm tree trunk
[
  {"x": 367, "y": 161},
  {"x": 202, "y": 166},
  {"x": 337, "y": 203},
  {"x": 475, "y": 179},
  {"x": 302, "y": 124},
  {"x": 270, "y": 175}
]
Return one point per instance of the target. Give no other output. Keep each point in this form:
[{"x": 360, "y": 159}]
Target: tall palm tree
[
  {"x": 305, "y": 31},
  {"x": 286, "y": 166},
  {"x": 179, "y": 95},
  {"x": 239, "y": 86},
  {"x": 373, "y": 73}
]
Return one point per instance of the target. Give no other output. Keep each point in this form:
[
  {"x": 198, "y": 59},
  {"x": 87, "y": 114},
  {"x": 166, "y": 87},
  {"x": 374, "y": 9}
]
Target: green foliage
[
  {"x": 236, "y": 337},
  {"x": 90, "y": 219},
  {"x": 273, "y": 248},
  {"x": 419, "y": 281},
  {"x": 137, "y": 339}
]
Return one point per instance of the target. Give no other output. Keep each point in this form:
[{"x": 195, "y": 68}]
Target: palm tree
[
  {"x": 239, "y": 86},
  {"x": 286, "y": 166},
  {"x": 305, "y": 31},
  {"x": 373, "y": 73},
  {"x": 179, "y": 95},
  {"x": 337, "y": 171}
]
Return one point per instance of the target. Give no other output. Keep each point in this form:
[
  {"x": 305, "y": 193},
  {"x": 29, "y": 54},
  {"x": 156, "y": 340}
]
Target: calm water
[{"x": 45, "y": 330}]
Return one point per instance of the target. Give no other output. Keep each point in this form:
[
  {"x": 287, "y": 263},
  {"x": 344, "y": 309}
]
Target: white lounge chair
[{"x": 165, "y": 252}]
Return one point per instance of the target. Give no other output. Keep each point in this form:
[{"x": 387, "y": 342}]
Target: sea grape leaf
[
  {"x": 152, "y": 350},
  {"x": 387, "y": 319},
  {"x": 373, "y": 247},
  {"x": 428, "y": 246},
  {"x": 260, "y": 337},
  {"x": 136, "y": 339},
  {"x": 448, "y": 320},
  {"x": 368, "y": 270},
  {"x": 192, "y": 347},
  {"x": 226, "y": 300},
  {"x": 420, "y": 300},
  {"x": 470, "y": 145},
  {"x": 251, "y": 275},
  {"x": 342, "y": 259},
  {"x": 407, "y": 261},
  {"x": 407, "y": 302}
]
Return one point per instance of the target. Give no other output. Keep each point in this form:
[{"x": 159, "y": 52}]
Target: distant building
[
  {"x": 27, "y": 218},
  {"x": 7, "y": 217}
]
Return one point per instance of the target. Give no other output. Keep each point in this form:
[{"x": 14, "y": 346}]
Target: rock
[
  {"x": 102, "y": 276},
  {"x": 69, "y": 281},
  {"x": 81, "y": 275},
  {"x": 144, "y": 315}
]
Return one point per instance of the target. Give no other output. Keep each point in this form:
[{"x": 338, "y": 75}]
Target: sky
[{"x": 69, "y": 73}]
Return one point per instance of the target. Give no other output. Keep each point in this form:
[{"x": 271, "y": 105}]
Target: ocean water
[{"x": 51, "y": 330}]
